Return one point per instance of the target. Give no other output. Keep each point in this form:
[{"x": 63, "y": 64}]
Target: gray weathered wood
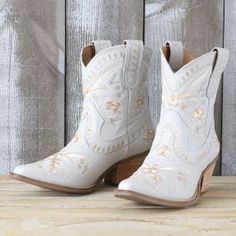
[
  {"x": 32, "y": 80},
  {"x": 32, "y": 61},
  {"x": 90, "y": 20},
  {"x": 229, "y": 94},
  {"x": 198, "y": 24}
]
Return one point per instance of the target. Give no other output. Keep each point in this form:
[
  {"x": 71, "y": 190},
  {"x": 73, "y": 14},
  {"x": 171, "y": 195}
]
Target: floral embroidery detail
[
  {"x": 86, "y": 91},
  {"x": 82, "y": 165},
  {"x": 55, "y": 161},
  {"x": 152, "y": 171},
  {"x": 149, "y": 135},
  {"x": 173, "y": 100},
  {"x": 113, "y": 105},
  {"x": 163, "y": 151},
  {"x": 181, "y": 177},
  {"x": 178, "y": 149},
  {"x": 198, "y": 113}
]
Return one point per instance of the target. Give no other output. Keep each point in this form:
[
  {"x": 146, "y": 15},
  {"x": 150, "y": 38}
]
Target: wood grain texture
[
  {"x": 29, "y": 210},
  {"x": 229, "y": 93},
  {"x": 89, "y": 20},
  {"x": 32, "y": 80},
  {"x": 198, "y": 24}
]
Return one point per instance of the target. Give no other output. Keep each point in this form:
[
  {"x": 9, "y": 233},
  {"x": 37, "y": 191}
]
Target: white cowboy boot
[
  {"x": 115, "y": 130},
  {"x": 185, "y": 148}
]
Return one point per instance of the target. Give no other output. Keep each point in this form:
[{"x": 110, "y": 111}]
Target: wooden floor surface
[{"x": 27, "y": 210}]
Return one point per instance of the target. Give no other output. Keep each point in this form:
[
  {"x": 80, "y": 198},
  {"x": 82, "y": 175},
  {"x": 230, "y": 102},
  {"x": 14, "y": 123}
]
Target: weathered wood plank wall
[
  {"x": 229, "y": 93},
  {"x": 31, "y": 64},
  {"x": 32, "y": 81},
  {"x": 198, "y": 24},
  {"x": 89, "y": 20}
]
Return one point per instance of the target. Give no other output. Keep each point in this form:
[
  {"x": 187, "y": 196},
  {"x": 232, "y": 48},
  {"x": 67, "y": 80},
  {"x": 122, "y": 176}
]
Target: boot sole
[
  {"x": 202, "y": 187},
  {"x": 116, "y": 173}
]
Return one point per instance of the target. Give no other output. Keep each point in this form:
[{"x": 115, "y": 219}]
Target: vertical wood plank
[
  {"x": 93, "y": 20},
  {"x": 229, "y": 93},
  {"x": 198, "y": 24},
  {"x": 32, "y": 80}
]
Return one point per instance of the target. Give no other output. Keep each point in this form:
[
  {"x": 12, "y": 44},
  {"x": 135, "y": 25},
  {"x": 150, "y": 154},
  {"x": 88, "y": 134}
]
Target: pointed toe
[
  {"x": 125, "y": 185},
  {"x": 19, "y": 170},
  {"x": 23, "y": 170}
]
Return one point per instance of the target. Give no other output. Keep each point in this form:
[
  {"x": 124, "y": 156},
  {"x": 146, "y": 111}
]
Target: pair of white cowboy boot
[{"x": 116, "y": 134}]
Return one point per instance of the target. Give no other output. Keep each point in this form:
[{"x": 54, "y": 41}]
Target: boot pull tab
[
  {"x": 176, "y": 58},
  {"x": 100, "y": 45},
  {"x": 221, "y": 60},
  {"x": 132, "y": 62}
]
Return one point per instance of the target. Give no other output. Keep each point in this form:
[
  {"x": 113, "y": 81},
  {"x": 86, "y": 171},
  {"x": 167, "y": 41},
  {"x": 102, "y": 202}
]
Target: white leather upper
[
  {"x": 115, "y": 122},
  {"x": 185, "y": 141}
]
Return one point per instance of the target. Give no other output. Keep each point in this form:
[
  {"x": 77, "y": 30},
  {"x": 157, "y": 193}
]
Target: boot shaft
[
  {"x": 189, "y": 87},
  {"x": 119, "y": 72},
  {"x": 115, "y": 81},
  {"x": 115, "y": 91},
  {"x": 184, "y": 73}
]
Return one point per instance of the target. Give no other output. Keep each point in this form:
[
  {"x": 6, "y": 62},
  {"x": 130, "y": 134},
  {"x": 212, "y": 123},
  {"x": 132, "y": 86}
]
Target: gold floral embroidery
[
  {"x": 82, "y": 165},
  {"x": 198, "y": 113},
  {"x": 152, "y": 171},
  {"x": 54, "y": 163},
  {"x": 173, "y": 100},
  {"x": 55, "y": 160},
  {"x": 163, "y": 150},
  {"x": 181, "y": 177},
  {"x": 113, "y": 105}
]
